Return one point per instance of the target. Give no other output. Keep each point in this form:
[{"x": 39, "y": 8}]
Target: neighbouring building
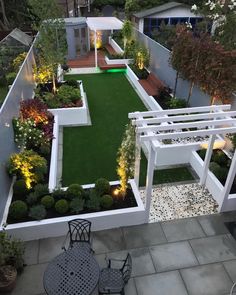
[{"x": 171, "y": 13}]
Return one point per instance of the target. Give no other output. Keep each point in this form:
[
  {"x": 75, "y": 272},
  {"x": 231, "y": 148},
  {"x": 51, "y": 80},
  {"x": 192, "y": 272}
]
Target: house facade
[{"x": 172, "y": 13}]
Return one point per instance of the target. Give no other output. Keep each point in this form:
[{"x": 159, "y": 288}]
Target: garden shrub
[
  {"x": 68, "y": 94},
  {"x": 102, "y": 186},
  {"x": 141, "y": 74},
  {"x": 18, "y": 210},
  {"x": 59, "y": 194},
  {"x": 47, "y": 201},
  {"x": 19, "y": 189},
  {"x": 37, "y": 212},
  {"x": 10, "y": 77},
  {"x": 106, "y": 201},
  {"x": 93, "y": 203},
  {"x": 74, "y": 191},
  {"x": 202, "y": 153},
  {"x": 17, "y": 62},
  {"x": 220, "y": 172},
  {"x": 28, "y": 165},
  {"x": 32, "y": 198},
  {"x": 3, "y": 81},
  {"x": 72, "y": 82},
  {"x": 62, "y": 206},
  {"x": 41, "y": 189},
  {"x": 176, "y": 103},
  {"x": 214, "y": 167},
  {"x": 77, "y": 205},
  {"x": 220, "y": 158}
]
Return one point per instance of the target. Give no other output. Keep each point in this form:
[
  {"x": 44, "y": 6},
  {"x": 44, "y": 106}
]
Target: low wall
[
  {"x": 73, "y": 116},
  {"x": 54, "y": 227},
  {"x": 120, "y": 61},
  {"x": 115, "y": 46}
]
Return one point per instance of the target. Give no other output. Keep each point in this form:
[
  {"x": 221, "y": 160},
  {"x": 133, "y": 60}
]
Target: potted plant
[{"x": 11, "y": 261}]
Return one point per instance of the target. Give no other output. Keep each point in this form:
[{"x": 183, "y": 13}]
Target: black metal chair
[
  {"x": 79, "y": 234},
  {"x": 113, "y": 280}
]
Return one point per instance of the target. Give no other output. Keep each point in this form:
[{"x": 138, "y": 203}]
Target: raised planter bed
[
  {"x": 115, "y": 46},
  {"x": 120, "y": 61},
  {"x": 53, "y": 227}
]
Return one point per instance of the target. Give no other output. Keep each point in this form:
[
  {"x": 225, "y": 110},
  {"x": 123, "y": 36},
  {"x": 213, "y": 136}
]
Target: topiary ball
[
  {"x": 19, "y": 189},
  {"x": 18, "y": 210},
  {"x": 41, "y": 189},
  {"x": 106, "y": 201},
  {"x": 102, "y": 186},
  {"x": 37, "y": 212},
  {"x": 47, "y": 201},
  {"x": 62, "y": 206},
  {"x": 59, "y": 194},
  {"x": 74, "y": 191}
]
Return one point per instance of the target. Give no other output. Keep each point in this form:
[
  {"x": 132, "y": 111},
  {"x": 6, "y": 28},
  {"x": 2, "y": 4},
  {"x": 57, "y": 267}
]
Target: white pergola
[
  {"x": 155, "y": 126},
  {"x": 102, "y": 24}
]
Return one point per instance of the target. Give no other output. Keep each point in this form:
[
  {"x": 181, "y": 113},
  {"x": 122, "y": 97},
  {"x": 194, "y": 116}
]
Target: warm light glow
[
  {"x": 116, "y": 192},
  {"x": 140, "y": 60},
  {"x": 98, "y": 39},
  {"x": 217, "y": 145}
]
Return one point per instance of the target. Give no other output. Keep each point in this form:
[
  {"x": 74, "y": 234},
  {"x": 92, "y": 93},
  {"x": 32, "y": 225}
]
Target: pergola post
[
  {"x": 95, "y": 48},
  {"x": 207, "y": 159},
  {"x": 137, "y": 160},
  {"x": 228, "y": 183},
  {"x": 149, "y": 180}
]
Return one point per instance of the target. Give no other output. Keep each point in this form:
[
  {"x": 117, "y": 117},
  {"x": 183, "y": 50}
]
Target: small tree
[
  {"x": 126, "y": 158},
  {"x": 127, "y": 32}
]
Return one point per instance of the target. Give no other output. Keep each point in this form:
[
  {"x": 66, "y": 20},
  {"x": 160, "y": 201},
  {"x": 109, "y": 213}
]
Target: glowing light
[{"x": 116, "y": 192}]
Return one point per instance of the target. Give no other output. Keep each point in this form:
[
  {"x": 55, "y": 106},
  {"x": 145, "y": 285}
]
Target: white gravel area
[{"x": 180, "y": 201}]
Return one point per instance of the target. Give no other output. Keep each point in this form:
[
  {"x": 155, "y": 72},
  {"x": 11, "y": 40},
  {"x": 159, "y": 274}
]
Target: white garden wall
[
  {"x": 115, "y": 46},
  {"x": 53, "y": 227},
  {"x": 120, "y": 61}
]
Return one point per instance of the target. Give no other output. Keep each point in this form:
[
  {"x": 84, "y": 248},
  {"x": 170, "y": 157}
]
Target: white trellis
[{"x": 155, "y": 126}]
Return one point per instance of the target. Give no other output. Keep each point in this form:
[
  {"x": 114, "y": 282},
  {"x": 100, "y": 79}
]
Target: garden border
[{"x": 54, "y": 227}]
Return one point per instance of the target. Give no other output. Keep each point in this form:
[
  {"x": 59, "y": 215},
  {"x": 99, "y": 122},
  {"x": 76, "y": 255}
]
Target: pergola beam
[
  {"x": 172, "y": 119},
  {"x": 206, "y": 109},
  {"x": 178, "y": 126},
  {"x": 184, "y": 134}
]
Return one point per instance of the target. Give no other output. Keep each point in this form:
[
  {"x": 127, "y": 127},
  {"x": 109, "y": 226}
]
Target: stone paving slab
[
  {"x": 231, "y": 269},
  {"x": 50, "y": 248},
  {"x": 31, "y": 252},
  {"x": 108, "y": 241},
  {"x": 168, "y": 283},
  {"x": 144, "y": 235},
  {"x": 173, "y": 256},
  {"x": 213, "y": 224},
  {"x": 209, "y": 279},
  {"x": 30, "y": 282},
  {"x": 182, "y": 229},
  {"x": 213, "y": 249}
]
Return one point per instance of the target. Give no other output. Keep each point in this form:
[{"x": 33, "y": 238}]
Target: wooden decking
[{"x": 88, "y": 61}]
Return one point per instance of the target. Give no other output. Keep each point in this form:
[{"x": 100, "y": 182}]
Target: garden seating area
[
  {"x": 152, "y": 85},
  {"x": 188, "y": 256}
]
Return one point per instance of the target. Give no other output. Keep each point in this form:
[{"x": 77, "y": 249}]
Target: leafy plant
[
  {"x": 10, "y": 77},
  {"x": 11, "y": 251},
  {"x": 93, "y": 203},
  {"x": 74, "y": 191},
  {"x": 127, "y": 30},
  {"x": 141, "y": 57},
  {"x": 220, "y": 158},
  {"x": 41, "y": 190},
  {"x": 77, "y": 205},
  {"x": 176, "y": 103},
  {"x": 126, "y": 158},
  {"x": 17, "y": 62},
  {"x": 62, "y": 206},
  {"x": 106, "y": 201},
  {"x": 47, "y": 201},
  {"x": 19, "y": 189},
  {"x": 102, "y": 186},
  {"x": 29, "y": 166},
  {"x": 18, "y": 210},
  {"x": 59, "y": 194},
  {"x": 32, "y": 199},
  {"x": 67, "y": 94},
  {"x": 37, "y": 212},
  {"x": 72, "y": 82}
]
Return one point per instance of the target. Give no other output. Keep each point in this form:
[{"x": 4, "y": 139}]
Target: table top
[{"x": 73, "y": 272}]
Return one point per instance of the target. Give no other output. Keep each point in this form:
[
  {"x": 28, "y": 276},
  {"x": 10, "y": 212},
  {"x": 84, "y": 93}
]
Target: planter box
[
  {"x": 120, "y": 61},
  {"x": 53, "y": 227},
  {"x": 212, "y": 183},
  {"x": 73, "y": 116},
  {"x": 148, "y": 100},
  {"x": 115, "y": 46}
]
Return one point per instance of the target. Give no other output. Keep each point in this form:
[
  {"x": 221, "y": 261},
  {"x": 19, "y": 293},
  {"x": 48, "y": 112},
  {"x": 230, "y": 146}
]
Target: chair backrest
[
  {"x": 80, "y": 230},
  {"x": 127, "y": 269}
]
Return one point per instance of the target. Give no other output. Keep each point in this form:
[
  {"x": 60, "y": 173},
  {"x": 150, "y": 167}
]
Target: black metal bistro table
[{"x": 73, "y": 272}]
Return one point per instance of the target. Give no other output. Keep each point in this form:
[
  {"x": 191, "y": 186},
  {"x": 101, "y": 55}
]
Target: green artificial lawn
[
  {"x": 90, "y": 152},
  {"x": 3, "y": 93}
]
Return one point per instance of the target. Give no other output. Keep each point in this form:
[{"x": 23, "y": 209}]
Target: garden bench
[{"x": 152, "y": 85}]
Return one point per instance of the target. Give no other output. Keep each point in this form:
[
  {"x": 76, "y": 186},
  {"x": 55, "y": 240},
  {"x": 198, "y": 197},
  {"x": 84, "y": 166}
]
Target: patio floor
[{"x": 195, "y": 256}]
